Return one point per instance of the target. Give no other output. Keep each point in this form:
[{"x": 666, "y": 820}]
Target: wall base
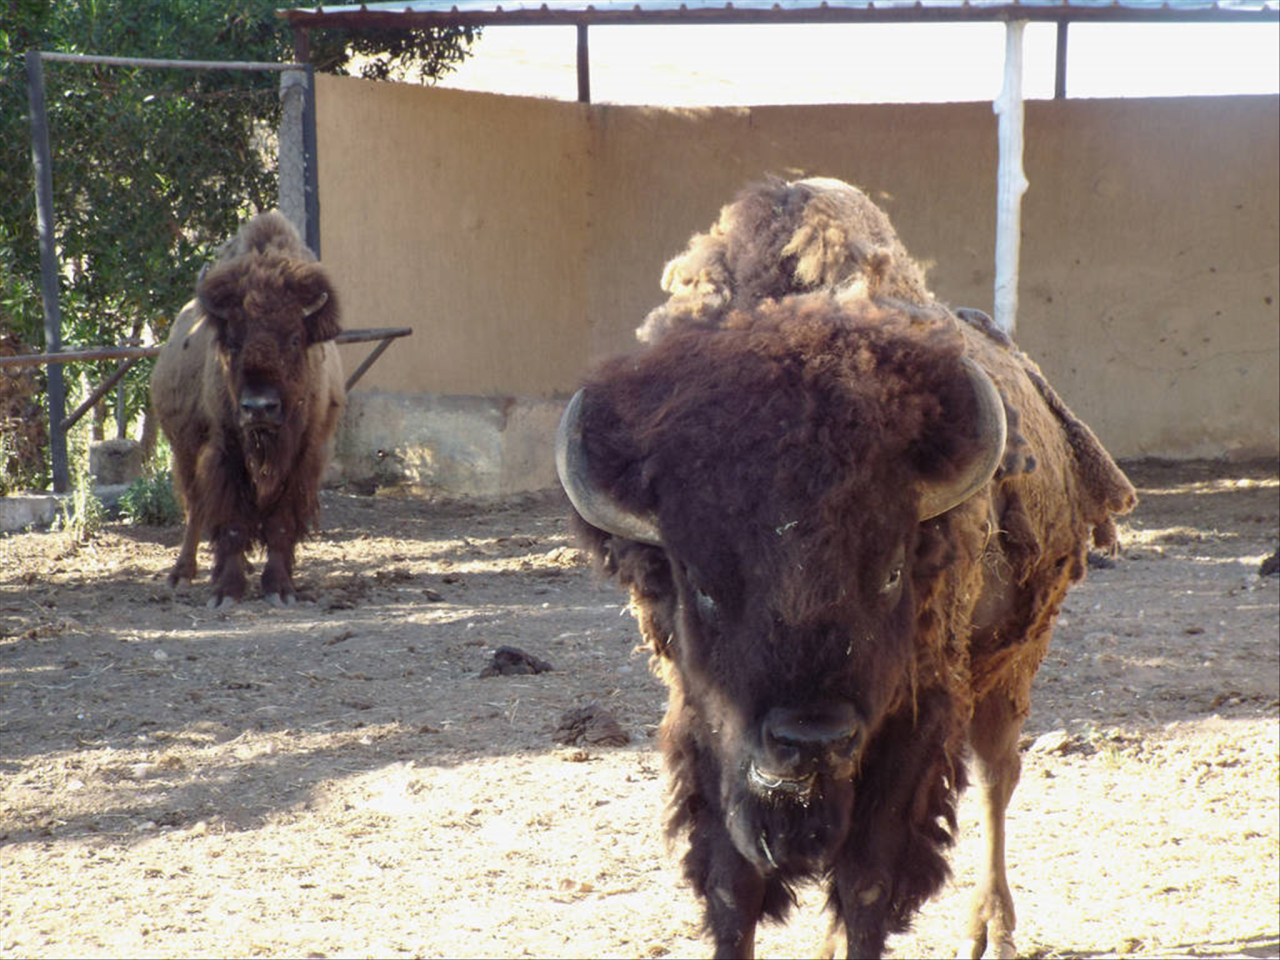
[{"x": 453, "y": 445}]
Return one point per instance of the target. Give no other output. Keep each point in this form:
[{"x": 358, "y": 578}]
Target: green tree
[{"x": 153, "y": 168}]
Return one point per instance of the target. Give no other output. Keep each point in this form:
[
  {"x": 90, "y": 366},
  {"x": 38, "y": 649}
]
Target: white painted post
[{"x": 1011, "y": 181}]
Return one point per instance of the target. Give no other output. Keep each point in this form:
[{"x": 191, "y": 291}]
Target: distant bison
[
  {"x": 847, "y": 519},
  {"x": 248, "y": 389}
]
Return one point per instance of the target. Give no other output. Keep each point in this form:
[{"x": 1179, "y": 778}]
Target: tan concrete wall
[
  {"x": 1150, "y": 253},
  {"x": 468, "y": 225},
  {"x": 524, "y": 238}
]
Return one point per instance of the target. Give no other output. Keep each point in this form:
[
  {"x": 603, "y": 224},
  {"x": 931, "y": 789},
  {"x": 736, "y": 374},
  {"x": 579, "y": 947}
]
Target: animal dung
[
  {"x": 514, "y": 662},
  {"x": 591, "y": 724}
]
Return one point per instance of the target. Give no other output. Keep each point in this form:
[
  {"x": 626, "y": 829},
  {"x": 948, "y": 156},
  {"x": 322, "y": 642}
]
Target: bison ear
[
  {"x": 219, "y": 293},
  {"x": 319, "y": 304}
]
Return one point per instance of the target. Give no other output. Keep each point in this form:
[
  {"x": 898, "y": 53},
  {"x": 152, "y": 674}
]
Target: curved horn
[
  {"x": 939, "y": 498},
  {"x": 319, "y": 302},
  {"x": 592, "y": 503}
]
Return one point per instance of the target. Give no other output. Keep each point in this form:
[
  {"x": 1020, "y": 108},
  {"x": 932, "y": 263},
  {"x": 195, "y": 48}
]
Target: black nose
[
  {"x": 260, "y": 404},
  {"x": 797, "y": 742}
]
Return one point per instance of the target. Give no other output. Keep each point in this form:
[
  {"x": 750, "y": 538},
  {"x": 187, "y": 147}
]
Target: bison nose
[
  {"x": 799, "y": 742},
  {"x": 260, "y": 405}
]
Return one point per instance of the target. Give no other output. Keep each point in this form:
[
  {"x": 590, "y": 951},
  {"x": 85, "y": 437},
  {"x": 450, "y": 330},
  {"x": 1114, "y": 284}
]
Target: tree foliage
[{"x": 153, "y": 168}]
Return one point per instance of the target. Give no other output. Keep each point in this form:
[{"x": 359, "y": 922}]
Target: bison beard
[
  {"x": 248, "y": 389},
  {"x": 826, "y": 507}
]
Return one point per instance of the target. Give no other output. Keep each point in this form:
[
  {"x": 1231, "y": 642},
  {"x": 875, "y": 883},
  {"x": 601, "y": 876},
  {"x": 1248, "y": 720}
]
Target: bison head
[
  {"x": 761, "y": 488},
  {"x": 267, "y": 310}
]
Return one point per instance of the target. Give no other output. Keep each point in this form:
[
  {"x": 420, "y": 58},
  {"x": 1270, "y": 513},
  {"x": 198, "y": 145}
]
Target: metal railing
[{"x": 132, "y": 355}]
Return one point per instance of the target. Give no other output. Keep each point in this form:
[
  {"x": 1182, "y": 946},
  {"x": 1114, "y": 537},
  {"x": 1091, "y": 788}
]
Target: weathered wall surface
[
  {"x": 1151, "y": 255},
  {"x": 524, "y": 239},
  {"x": 468, "y": 225}
]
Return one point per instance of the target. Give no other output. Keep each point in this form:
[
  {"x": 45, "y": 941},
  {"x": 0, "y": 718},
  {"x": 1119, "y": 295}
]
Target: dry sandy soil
[{"x": 338, "y": 779}]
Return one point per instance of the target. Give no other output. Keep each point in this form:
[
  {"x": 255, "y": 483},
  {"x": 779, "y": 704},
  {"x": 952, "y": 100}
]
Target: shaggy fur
[
  {"x": 779, "y": 238},
  {"x": 780, "y": 438},
  {"x": 259, "y": 332}
]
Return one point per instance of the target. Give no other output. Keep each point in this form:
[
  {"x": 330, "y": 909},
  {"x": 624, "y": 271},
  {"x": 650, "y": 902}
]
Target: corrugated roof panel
[{"x": 701, "y": 11}]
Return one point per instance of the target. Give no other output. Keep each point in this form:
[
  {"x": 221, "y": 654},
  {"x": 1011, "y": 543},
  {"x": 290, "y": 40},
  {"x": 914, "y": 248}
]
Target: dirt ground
[{"x": 338, "y": 779}]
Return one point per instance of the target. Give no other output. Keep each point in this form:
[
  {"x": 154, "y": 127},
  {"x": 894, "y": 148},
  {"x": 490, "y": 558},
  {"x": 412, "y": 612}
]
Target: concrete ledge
[
  {"x": 18, "y": 511},
  {"x": 455, "y": 445}
]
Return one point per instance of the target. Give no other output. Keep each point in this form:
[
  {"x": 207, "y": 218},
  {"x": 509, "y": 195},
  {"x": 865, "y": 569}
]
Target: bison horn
[
  {"x": 319, "y": 302},
  {"x": 939, "y": 498},
  {"x": 592, "y": 504}
]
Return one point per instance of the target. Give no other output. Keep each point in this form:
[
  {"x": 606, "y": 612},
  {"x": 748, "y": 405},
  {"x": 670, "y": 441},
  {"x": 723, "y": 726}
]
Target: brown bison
[
  {"x": 248, "y": 389},
  {"x": 847, "y": 520}
]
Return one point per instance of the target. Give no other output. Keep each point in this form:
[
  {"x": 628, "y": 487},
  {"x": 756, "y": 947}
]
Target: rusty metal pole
[
  {"x": 1060, "y": 62},
  {"x": 41, "y": 159},
  {"x": 584, "y": 66},
  {"x": 311, "y": 154}
]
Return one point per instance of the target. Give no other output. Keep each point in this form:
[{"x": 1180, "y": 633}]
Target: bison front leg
[
  {"x": 860, "y": 905},
  {"x": 184, "y": 568},
  {"x": 229, "y": 544},
  {"x": 993, "y": 735},
  {"x": 277, "y": 576},
  {"x": 732, "y": 890}
]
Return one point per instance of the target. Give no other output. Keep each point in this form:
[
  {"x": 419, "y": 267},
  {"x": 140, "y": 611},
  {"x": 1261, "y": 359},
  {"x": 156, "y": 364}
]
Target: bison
[
  {"x": 248, "y": 389},
  {"x": 847, "y": 518}
]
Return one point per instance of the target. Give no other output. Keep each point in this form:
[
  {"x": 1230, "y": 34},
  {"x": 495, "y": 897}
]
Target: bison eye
[
  {"x": 706, "y": 606},
  {"x": 295, "y": 341},
  {"x": 891, "y": 582}
]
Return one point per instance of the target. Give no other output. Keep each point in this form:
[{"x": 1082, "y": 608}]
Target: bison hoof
[
  {"x": 221, "y": 603},
  {"x": 1003, "y": 948},
  {"x": 276, "y": 600}
]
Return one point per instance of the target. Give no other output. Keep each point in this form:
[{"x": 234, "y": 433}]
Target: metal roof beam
[{"x": 411, "y": 16}]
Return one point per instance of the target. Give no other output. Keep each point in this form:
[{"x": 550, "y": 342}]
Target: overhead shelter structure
[{"x": 1012, "y": 183}]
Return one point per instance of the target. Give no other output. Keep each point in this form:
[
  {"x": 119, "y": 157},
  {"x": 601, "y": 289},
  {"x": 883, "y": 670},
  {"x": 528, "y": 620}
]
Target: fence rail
[
  {"x": 132, "y": 355},
  {"x": 175, "y": 64}
]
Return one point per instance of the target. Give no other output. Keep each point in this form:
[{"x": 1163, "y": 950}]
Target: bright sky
[{"x": 740, "y": 65}]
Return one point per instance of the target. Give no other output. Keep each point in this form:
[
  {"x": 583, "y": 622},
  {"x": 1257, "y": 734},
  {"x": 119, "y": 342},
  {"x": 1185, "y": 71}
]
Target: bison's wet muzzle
[
  {"x": 261, "y": 408},
  {"x": 799, "y": 745},
  {"x": 790, "y": 809}
]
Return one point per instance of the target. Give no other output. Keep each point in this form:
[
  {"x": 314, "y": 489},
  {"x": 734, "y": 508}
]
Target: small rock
[
  {"x": 1270, "y": 566},
  {"x": 1055, "y": 741}
]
